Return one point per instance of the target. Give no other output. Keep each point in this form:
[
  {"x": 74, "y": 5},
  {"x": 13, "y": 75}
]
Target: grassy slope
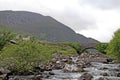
[{"x": 23, "y": 56}]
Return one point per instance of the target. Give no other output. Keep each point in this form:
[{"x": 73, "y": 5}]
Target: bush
[
  {"x": 5, "y": 36},
  {"x": 114, "y": 46},
  {"x": 20, "y": 57},
  {"x": 27, "y": 55},
  {"x": 75, "y": 45},
  {"x": 102, "y": 47}
]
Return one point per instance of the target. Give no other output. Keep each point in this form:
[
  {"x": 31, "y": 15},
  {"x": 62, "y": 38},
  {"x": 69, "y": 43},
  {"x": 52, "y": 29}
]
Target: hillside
[{"x": 42, "y": 27}]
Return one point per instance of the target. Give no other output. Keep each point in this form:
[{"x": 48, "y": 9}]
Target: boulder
[
  {"x": 3, "y": 77},
  {"x": 46, "y": 75},
  {"x": 51, "y": 73},
  {"x": 118, "y": 74},
  {"x": 85, "y": 76},
  {"x": 72, "y": 68},
  {"x": 105, "y": 74},
  {"x": 53, "y": 60},
  {"x": 4, "y": 71},
  {"x": 38, "y": 77},
  {"x": 109, "y": 60},
  {"x": 102, "y": 78}
]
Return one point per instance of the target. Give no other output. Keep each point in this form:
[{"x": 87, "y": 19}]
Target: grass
[
  {"x": 1, "y": 79},
  {"x": 27, "y": 54},
  {"x": 24, "y": 56}
]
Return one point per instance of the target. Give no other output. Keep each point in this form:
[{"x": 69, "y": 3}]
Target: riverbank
[{"x": 87, "y": 66}]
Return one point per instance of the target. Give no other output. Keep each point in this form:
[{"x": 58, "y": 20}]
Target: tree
[
  {"x": 75, "y": 45},
  {"x": 5, "y": 36},
  {"x": 102, "y": 47},
  {"x": 114, "y": 46}
]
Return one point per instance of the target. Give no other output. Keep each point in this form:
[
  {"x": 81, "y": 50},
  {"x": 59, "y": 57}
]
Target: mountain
[{"x": 42, "y": 27}]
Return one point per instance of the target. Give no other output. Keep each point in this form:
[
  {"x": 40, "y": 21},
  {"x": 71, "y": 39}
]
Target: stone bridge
[{"x": 85, "y": 46}]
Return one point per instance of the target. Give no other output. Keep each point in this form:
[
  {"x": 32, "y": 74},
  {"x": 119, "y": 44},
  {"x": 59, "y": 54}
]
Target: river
[{"x": 99, "y": 71}]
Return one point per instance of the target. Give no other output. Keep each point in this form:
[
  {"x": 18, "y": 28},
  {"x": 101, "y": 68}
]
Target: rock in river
[
  {"x": 72, "y": 68},
  {"x": 85, "y": 76}
]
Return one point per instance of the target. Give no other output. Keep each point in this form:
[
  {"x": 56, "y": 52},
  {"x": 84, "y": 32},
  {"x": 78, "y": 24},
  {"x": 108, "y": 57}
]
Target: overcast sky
[{"x": 93, "y": 18}]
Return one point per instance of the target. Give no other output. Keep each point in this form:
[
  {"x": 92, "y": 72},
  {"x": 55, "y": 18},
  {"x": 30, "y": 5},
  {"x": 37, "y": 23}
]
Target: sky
[{"x": 98, "y": 19}]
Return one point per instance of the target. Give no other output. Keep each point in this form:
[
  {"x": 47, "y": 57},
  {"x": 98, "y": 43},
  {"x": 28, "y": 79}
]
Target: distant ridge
[{"x": 42, "y": 27}]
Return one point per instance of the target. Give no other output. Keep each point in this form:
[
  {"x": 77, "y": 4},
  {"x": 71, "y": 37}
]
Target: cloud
[
  {"x": 76, "y": 19},
  {"x": 107, "y": 23},
  {"x": 103, "y": 4},
  {"x": 93, "y": 18}
]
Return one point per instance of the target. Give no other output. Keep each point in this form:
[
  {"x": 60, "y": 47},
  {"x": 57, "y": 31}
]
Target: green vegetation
[
  {"x": 25, "y": 55},
  {"x": 114, "y": 46},
  {"x": 44, "y": 27},
  {"x": 5, "y": 36},
  {"x": 75, "y": 45},
  {"x": 102, "y": 47}
]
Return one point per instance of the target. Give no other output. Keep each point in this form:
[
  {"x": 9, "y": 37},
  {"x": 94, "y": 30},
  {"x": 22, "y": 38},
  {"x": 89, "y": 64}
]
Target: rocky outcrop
[
  {"x": 76, "y": 63},
  {"x": 67, "y": 64}
]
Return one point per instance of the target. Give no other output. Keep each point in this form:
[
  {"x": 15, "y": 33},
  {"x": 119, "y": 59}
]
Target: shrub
[
  {"x": 22, "y": 56},
  {"x": 5, "y": 36},
  {"x": 114, "y": 46},
  {"x": 102, "y": 47},
  {"x": 75, "y": 45},
  {"x": 26, "y": 55}
]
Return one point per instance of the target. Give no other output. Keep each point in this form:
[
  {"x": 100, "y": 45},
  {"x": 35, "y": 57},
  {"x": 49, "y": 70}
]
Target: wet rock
[
  {"x": 38, "y": 77},
  {"x": 86, "y": 76},
  {"x": 118, "y": 74},
  {"x": 105, "y": 74},
  {"x": 102, "y": 78},
  {"x": 74, "y": 59},
  {"x": 16, "y": 78},
  {"x": 109, "y": 60},
  {"x": 3, "y": 77},
  {"x": 51, "y": 73},
  {"x": 1, "y": 73},
  {"x": 83, "y": 63},
  {"x": 4, "y": 71},
  {"x": 80, "y": 69},
  {"x": 64, "y": 60},
  {"x": 103, "y": 68},
  {"x": 22, "y": 77},
  {"x": 117, "y": 70},
  {"x": 38, "y": 69},
  {"x": 53, "y": 60},
  {"x": 13, "y": 42},
  {"x": 47, "y": 68},
  {"x": 57, "y": 66},
  {"x": 26, "y": 73},
  {"x": 58, "y": 62},
  {"x": 45, "y": 75},
  {"x": 94, "y": 57},
  {"x": 69, "y": 61},
  {"x": 72, "y": 68}
]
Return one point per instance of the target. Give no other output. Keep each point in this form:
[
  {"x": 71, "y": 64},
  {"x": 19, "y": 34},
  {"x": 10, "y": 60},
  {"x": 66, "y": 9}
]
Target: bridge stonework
[
  {"x": 85, "y": 46},
  {"x": 88, "y": 45}
]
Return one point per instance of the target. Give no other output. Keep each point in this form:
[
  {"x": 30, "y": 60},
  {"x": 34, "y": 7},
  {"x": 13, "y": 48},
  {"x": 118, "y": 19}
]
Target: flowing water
[
  {"x": 105, "y": 71},
  {"x": 99, "y": 71}
]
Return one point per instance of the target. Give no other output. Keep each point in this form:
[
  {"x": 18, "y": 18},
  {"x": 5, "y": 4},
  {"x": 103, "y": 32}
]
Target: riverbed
[{"x": 99, "y": 71}]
